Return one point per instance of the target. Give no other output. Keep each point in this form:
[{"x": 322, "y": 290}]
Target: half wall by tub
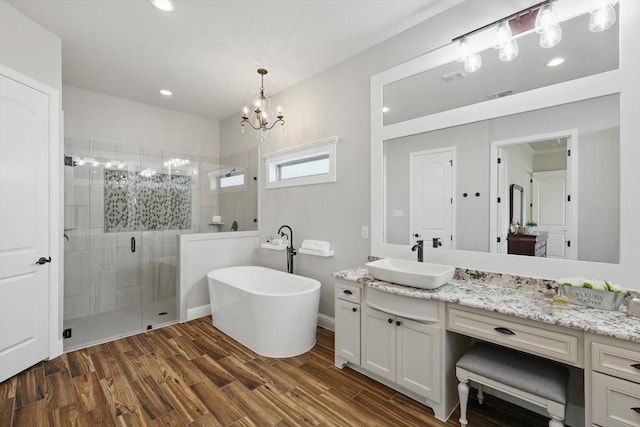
[{"x": 273, "y": 313}]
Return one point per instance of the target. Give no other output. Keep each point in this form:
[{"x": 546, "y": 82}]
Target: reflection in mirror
[
  {"x": 516, "y": 206},
  {"x": 449, "y": 86},
  {"x": 593, "y": 127}
]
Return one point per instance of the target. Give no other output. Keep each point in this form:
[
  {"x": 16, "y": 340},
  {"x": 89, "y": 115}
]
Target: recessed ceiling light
[
  {"x": 555, "y": 62},
  {"x": 386, "y": 109},
  {"x": 166, "y": 92},
  {"x": 163, "y": 5}
]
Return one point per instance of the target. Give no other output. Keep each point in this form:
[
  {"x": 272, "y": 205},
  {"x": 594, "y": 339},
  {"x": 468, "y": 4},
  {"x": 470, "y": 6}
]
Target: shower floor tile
[{"x": 101, "y": 327}]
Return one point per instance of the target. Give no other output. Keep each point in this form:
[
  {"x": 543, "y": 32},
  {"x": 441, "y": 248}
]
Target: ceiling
[{"x": 207, "y": 51}]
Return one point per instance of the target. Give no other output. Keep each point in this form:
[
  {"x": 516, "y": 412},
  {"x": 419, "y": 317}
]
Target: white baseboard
[
  {"x": 326, "y": 322},
  {"x": 197, "y": 312}
]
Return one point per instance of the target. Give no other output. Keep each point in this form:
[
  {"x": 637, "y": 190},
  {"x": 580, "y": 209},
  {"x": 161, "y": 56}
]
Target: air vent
[
  {"x": 500, "y": 94},
  {"x": 455, "y": 75}
]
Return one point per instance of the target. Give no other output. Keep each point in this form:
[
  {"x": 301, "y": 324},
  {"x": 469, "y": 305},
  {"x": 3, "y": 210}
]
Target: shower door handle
[{"x": 133, "y": 244}]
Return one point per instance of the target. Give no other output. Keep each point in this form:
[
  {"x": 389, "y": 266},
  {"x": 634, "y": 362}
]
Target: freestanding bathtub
[{"x": 273, "y": 313}]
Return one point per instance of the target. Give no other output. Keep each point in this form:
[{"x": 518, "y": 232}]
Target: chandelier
[{"x": 261, "y": 114}]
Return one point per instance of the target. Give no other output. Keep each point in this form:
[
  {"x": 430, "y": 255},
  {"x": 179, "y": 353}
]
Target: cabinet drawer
[
  {"x": 348, "y": 292},
  {"x": 616, "y": 361},
  {"x": 536, "y": 340},
  {"x": 615, "y": 402}
]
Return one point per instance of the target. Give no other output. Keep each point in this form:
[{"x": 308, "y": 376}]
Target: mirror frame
[{"x": 621, "y": 81}]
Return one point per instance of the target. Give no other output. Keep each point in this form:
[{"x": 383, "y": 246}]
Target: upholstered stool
[{"x": 530, "y": 378}]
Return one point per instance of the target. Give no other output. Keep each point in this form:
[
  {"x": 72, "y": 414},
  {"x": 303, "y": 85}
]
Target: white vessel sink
[{"x": 422, "y": 275}]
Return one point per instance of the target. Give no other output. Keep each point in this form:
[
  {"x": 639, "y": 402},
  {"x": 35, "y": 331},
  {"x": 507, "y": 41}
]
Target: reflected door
[
  {"x": 549, "y": 209},
  {"x": 432, "y": 197}
]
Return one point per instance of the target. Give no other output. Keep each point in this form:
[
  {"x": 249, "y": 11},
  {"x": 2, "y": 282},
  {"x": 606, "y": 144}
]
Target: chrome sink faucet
[
  {"x": 419, "y": 246},
  {"x": 291, "y": 252}
]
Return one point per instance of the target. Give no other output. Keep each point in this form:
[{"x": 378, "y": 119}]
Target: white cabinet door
[
  {"x": 347, "y": 338},
  {"x": 24, "y": 226},
  {"x": 419, "y": 358},
  {"x": 379, "y": 343},
  {"x": 615, "y": 402}
]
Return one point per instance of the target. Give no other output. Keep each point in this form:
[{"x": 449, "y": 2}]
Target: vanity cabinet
[
  {"x": 615, "y": 383},
  {"x": 403, "y": 351}
]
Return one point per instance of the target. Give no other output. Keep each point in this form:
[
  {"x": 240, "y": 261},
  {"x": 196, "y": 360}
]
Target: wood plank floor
[{"x": 191, "y": 374}]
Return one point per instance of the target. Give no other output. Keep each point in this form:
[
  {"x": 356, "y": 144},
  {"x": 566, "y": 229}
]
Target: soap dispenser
[{"x": 561, "y": 298}]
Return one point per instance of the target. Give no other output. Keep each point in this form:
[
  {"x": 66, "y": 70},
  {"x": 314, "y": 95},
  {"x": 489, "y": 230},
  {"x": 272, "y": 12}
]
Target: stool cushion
[{"x": 535, "y": 375}]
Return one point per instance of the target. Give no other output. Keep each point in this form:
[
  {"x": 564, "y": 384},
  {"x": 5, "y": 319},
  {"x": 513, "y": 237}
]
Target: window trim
[{"x": 300, "y": 153}]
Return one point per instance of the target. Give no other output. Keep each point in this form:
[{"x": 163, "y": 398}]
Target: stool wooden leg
[
  {"x": 480, "y": 394},
  {"x": 463, "y": 393}
]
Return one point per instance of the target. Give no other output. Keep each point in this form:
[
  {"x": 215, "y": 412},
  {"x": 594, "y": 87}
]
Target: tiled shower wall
[{"x": 101, "y": 272}]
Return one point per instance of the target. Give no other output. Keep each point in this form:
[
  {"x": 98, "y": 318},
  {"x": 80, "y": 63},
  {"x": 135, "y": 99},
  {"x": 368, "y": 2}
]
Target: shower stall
[{"x": 123, "y": 210}]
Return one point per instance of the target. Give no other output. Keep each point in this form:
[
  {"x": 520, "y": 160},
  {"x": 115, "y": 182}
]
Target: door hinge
[
  {"x": 66, "y": 333},
  {"x": 569, "y": 153},
  {"x": 499, "y": 240},
  {"x": 451, "y": 237},
  {"x": 452, "y": 200},
  {"x": 451, "y": 163},
  {"x": 499, "y": 200},
  {"x": 569, "y": 198},
  {"x": 568, "y": 243}
]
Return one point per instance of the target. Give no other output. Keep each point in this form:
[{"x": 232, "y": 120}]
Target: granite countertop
[{"x": 518, "y": 298}]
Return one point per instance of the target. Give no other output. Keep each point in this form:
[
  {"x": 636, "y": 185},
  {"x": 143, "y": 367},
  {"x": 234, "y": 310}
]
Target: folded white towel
[{"x": 318, "y": 245}]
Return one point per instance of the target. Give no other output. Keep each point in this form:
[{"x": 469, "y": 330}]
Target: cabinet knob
[
  {"x": 390, "y": 320},
  {"x": 398, "y": 323},
  {"x": 354, "y": 309}
]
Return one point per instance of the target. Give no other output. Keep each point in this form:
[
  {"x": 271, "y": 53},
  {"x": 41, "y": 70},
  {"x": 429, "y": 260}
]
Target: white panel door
[
  {"x": 347, "y": 336},
  {"x": 432, "y": 197},
  {"x": 419, "y": 358},
  {"x": 549, "y": 209},
  {"x": 24, "y": 226},
  {"x": 378, "y": 352}
]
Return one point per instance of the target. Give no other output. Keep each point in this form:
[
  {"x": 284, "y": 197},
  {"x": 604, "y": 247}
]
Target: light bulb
[
  {"x": 503, "y": 34},
  {"x": 473, "y": 63},
  {"x": 509, "y": 51},
  {"x": 602, "y": 18},
  {"x": 546, "y": 18},
  {"x": 551, "y": 36},
  {"x": 463, "y": 50}
]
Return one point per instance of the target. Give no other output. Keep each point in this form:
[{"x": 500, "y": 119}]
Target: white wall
[
  {"x": 28, "y": 48},
  {"x": 201, "y": 253},
  {"x": 97, "y": 117}
]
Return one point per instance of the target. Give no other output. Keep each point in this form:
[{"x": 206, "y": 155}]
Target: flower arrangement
[
  {"x": 594, "y": 293},
  {"x": 597, "y": 284}
]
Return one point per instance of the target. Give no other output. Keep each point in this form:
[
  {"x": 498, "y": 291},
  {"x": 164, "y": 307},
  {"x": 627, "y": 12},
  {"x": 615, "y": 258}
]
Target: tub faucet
[
  {"x": 291, "y": 252},
  {"x": 420, "y": 248}
]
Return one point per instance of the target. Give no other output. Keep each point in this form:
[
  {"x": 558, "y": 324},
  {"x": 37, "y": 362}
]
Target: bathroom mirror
[
  {"x": 449, "y": 86},
  {"x": 474, "y": 119},
  {"x": 529, "y": 145}
]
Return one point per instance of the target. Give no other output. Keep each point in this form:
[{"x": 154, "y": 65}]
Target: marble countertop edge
[{"x": 523, "y": 303}]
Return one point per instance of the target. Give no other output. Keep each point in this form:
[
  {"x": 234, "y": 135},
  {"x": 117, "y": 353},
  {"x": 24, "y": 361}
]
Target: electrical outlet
[{"x": 364, "y": 232}]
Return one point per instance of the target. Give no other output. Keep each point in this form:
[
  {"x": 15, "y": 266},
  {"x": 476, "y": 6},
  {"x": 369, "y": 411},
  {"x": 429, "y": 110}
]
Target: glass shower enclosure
[{"x": 123, "y": 210}]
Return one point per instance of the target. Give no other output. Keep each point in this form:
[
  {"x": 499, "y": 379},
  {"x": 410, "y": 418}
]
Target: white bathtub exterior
[{"x": 273, "y": 313}]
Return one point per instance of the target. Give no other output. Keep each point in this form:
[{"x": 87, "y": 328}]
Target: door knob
[{"x": 43, "y": 260}]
